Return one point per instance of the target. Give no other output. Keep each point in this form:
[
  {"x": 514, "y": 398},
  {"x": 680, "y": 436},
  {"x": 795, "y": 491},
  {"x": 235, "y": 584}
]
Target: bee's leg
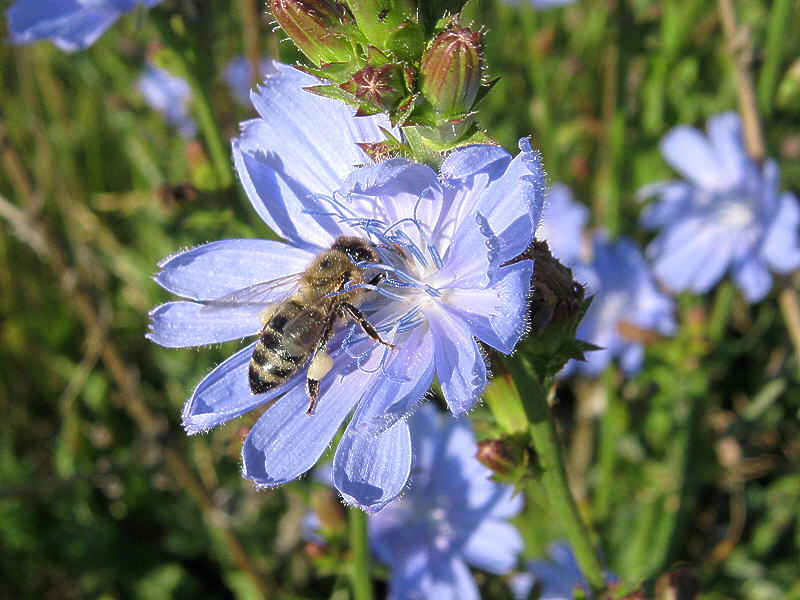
[
  {"x": 319, "y": 366},
  {"x": 359, "y": 317},
  {"x": 378, "y": 278}
]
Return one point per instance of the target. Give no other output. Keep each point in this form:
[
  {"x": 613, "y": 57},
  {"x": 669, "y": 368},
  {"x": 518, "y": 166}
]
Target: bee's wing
[{"x": 258, "y": 294}]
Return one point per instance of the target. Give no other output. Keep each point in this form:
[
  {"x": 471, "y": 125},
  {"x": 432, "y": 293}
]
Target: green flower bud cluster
[{"x": 411, "y": 59}]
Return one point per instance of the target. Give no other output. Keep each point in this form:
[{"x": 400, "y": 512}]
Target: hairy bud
[
  {"x": 313, "y": 25},
  {"x": 451, "y": 71},
  {"x": 503, "y": 457}
]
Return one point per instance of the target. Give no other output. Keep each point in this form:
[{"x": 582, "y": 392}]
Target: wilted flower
[
  {"x": 441, "y": 241},
  {"x": 452, "y": 515},
  {"x": 169, "y": 95},
  {"x": 562, "y": 225},
  {"x": 627, "y": 307},
  {"x": 727, "y": 214},
  {"x": 70, "y": 24},
  {"x": 557, "y": 579}
]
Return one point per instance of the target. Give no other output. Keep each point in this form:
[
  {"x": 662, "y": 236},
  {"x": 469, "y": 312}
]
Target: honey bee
[{"x": 296, "y": 330}]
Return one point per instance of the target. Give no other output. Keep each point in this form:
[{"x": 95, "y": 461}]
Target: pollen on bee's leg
[{"x": 320, "y": 365}]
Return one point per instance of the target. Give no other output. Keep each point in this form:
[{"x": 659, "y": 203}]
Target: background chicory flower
[
  {"x": 442, "y": 239},
  {"x": 556, "y": 579},
  {"x": 70, "y": 24},
  {"x": 726, "y": 214},
  {"x": 452, "y": 515},
  {"x": 562, "y": 224},
  {"x": 169, "y": 95},
  {"x": 626, "y": 303}
]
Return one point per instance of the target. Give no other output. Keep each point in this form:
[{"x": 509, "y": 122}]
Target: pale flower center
[{"x": 736, "y": 214}]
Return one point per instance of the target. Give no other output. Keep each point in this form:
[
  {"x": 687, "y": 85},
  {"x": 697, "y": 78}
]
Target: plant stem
[
  {"x": 359, "y": 560},
  {"x": 778, "y": 20},
  {"x": 250, "y": 17},
  {"x": 217, "y": 147},
  {"x": 212, "y": 135},
  {"x": 553, "y": 475},
  {"x": 721, "y": 310},
  {"x": 790, "y": 310},
  {"x": 612, "y": 425},
  {"x": 741, "y": 55},
  {"x": 753, "y": 133}
]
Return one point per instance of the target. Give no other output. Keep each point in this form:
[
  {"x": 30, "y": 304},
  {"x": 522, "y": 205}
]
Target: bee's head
[{"x": 359, "y": 250}]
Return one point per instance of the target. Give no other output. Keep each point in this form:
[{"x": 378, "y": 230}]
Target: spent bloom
[
  {"x": 626, "y": 309},
  {"x": 452, "y": 515},
  {"x": 726, "y": 214},
  {"x": 169, "y": 95},
  {"x": 440, "y": 239},
  {"x": 70, "y": 24},
  {"x": 562, "y": 225},
  {"x": 556, "y": 579}
]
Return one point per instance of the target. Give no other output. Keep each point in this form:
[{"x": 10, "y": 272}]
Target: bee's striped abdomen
[{"x": 272, "y": 363}]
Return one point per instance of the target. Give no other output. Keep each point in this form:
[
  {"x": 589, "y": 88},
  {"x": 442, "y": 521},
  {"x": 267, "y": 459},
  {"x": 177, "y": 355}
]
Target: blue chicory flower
[
  {"x": 452, "y": 515},
  {"x": 169, "y": 95},
  {"x": 71, "y": 24},
  {"x": 442, "y": 240},
  {"x": 562, "y": 225},
  {"x": 727, "y": 213},
  {"x": 626, "y": 301},
  {"x": 557, "y": 579}
]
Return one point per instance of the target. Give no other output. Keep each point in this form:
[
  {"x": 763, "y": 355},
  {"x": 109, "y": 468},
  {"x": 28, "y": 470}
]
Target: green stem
[
  {"x": 778, "y": 20},
  {"x": 553, "y": 475},
  {"x": 212, "y": 135},
  {"x": 612, "y": 425},
  {"x": 721, "y": 310},
  {"x": 359, "y": 560},
  {"x": 217, "y": 147}
]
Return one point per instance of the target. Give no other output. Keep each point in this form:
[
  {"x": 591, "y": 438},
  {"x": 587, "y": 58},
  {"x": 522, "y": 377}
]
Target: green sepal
[
  {"x": 333, "y": 72},
  {"x": 484, "y": 90},
  {"x": 333, "y": 91}
]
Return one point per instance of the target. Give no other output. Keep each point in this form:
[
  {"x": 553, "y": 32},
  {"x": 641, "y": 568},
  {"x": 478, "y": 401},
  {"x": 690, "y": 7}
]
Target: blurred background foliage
[{"x": 694, "y": 462}]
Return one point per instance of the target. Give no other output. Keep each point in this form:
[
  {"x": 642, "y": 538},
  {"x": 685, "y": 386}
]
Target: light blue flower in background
[
  {"x": 70, "y": 24},
  {"x": 727, "y": 214},
  {"x": 169, "y": 95},
  {"x": 452, "y": 515},
  {"x": 550, "y": 3},
  {"x": 562, "y": 225},
  {"x": 626, "y": 302},
  {"x": 542, "y": 3},
  {"x": 556, "y": 579},
  {"x": 238, "y": 76},
  {"x": 442, "y": 239}
]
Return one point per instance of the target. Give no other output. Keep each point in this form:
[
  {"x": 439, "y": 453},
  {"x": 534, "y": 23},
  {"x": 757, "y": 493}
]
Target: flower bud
[
  {"x": 313, "y": 25},
  {"x": 501, "y": 456},
  {"x": 378, "y": 19},
  {"x": 328, "y": 510},
  {"x": 377, "y": 88},
  {"x": 451, "y": 71}
]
